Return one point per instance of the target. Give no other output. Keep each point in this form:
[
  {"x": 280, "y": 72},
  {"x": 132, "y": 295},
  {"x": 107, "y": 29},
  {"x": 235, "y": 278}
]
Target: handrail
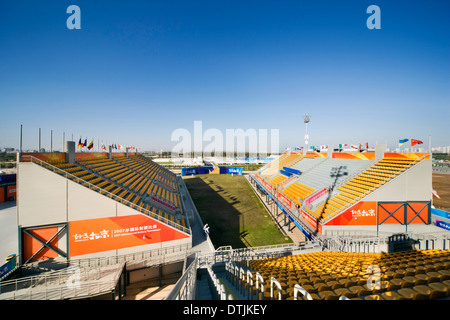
[
  {"x": 106, "y": 193},
  {"x": 184, "y": 288},
  {"x": 167, "y": 253},
  {"x": 61, "y": 286},
  {"x": 298, "y": 288},
  {"x": 272, "y": 282},
  {"x": 288, "y": 210}
]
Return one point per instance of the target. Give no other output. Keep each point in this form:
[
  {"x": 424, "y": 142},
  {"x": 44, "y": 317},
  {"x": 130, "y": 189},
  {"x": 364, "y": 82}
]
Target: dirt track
[{"x": 441, "y": 183}]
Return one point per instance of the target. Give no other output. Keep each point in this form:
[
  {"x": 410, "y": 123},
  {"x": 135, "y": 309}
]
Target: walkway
[{"x": 199, "y": 241}]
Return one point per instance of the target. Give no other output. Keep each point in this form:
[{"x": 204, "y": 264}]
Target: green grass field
[{"x": 234, "y": 213}]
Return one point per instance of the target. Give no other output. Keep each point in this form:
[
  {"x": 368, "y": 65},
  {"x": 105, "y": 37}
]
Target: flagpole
[
  {"x": 429, "y": 144},
  {"x": 20, "y": 139}
]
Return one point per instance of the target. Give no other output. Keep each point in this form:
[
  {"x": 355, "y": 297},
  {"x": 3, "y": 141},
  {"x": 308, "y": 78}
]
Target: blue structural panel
[
  {"x": 207, "y": 170},
  {"x": 292, "y": 171},
  {"x": 285, "y": 173},
  {"x": 234, "y": 170}
]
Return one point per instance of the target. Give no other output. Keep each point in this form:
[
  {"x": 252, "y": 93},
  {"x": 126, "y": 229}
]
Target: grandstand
[
  {"x": 366, "y": 218},
  {"x": 328, "y": 189}
]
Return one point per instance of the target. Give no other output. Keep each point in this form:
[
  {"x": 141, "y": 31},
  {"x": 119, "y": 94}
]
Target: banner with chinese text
[
  {"x": 104, "y": 234},
  {"x": 362, "y": 213}
]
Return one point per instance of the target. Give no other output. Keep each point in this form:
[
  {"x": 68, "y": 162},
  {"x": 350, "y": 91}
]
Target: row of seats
[
  {"x": 285, "y": 160},
  {"x": 298, "y": 192},
  {"x": 290, "y": 159},
  {"x": 134, "y": 176},
  {"x": 416, "y": 274},
  {"x": 277, "y": 180}
]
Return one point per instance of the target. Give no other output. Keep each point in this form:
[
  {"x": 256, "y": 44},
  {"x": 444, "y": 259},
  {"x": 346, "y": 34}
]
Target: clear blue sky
[{"x": 138, "y": 70}]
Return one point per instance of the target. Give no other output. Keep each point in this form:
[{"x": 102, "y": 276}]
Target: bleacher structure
[
  {"x": 343, "y": 190},
  {"x": 342, "y": 203},
  {"x": 97, "y": 203}
]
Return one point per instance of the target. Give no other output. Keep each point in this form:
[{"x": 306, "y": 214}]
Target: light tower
[{"x": 306, "y": 119}]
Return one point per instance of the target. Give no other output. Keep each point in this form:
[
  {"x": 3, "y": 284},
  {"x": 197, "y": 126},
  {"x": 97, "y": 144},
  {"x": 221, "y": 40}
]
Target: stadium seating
[
  {"x": 275, "y": 181},
  {"x": 298, "y": 192},
  {"x": 360, "y": 185},
  {"x": 407, "y": 275},
  {"x": 132, "y": 180}
]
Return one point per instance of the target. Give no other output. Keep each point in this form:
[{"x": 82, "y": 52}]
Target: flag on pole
[
  {"x": 80, "y": 144},
  {"x": 91, "y": 145},
  {"x": 342, "y": 145},
  {"x": 402, "y": 142},
  {"x": 414, "y": 142},
  {"x": 354, "y": 146},
  {"x": 103, "y": 147},
  {"x": 367, "y": 145},
  {"x": 85, "y": 143}
]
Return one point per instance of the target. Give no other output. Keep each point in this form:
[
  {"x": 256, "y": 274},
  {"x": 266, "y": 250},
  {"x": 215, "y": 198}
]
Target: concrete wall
[
  {"x": 413, "y": 185},
  {"x": 42, "y": 196}
]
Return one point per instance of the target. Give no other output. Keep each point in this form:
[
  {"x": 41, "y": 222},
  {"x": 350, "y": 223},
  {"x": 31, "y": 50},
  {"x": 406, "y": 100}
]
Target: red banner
[
  {"x": 104, "y": 234},
  {"x": 310, "y": 220},
  {"x": 362, "y": 213},
  {"x": 316, "y": 196},
  {"x": 285, "y": 200}
]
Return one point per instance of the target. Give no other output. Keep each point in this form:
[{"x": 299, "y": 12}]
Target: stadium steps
[{"x": 203, "y": 290}]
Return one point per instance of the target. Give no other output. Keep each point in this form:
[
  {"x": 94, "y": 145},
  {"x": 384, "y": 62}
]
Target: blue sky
[{"x": 138, "y": 70}]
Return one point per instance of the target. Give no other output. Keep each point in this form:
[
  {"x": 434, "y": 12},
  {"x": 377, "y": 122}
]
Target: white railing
[
  {"x": 185, "y": 287},
  {"x": 92, "y": 273},
  {"x": 219, "y": 292},
  {"x": 135, "y": 260},
  {"x": 104, "y": 192},
  {"x": 67, "y": 284}
]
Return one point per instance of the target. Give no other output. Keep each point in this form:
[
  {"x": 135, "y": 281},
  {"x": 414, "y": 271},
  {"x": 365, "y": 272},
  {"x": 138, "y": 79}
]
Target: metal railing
[
  {"x": 104, "y": 192},
  {"x": 147, "y": 258},
  {"x": 68, "y": 284},
  {"x": 185, "y": 287},
  {"x": 91, "y": 272},
  {"x": 286, "y": 209}
]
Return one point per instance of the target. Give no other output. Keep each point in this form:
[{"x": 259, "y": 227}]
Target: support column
[{"x": 70, "y": 151}]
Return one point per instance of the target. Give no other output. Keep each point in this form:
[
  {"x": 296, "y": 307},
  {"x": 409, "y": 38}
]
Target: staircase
[{"x": 203, "y": 290}]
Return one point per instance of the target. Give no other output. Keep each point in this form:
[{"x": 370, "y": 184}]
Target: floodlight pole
[{"x": 306, "y": 119}]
